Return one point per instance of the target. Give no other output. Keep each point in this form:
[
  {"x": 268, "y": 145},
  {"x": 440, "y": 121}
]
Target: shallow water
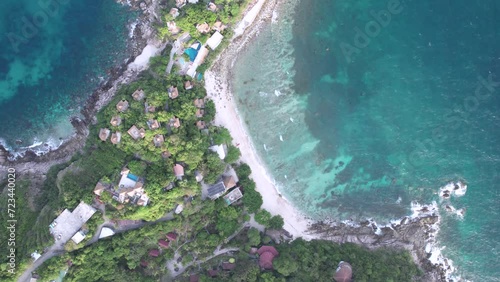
[
  {"x": 52, "y": 57},
  {"x": 363, "y": 135}
]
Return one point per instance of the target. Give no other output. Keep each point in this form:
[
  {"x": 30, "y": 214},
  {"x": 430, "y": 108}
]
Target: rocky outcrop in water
[{"x": 3, "y": 155}]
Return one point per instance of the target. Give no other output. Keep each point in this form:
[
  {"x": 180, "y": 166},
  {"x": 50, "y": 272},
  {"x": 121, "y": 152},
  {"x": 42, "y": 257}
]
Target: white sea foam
[
  {"x": 132, "y": 27},
  {"x": 460, "y": 213},
  {"x": 457, "y": 189},
  {"x": 274, "y": 18},
  {"x": 4, "y": 144},
  {"x": 38, "y": 147}
]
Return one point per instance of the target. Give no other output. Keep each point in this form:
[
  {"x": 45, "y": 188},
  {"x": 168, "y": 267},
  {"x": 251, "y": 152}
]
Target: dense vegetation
[{"x": 314, "y": 261}]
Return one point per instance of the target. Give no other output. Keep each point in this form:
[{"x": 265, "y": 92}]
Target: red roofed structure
[
  {"x": 171, "y": 236},
  {"x": 194, "y": 278},
  {"x": 213, "y": 273},
  {"x": 343, "y": 272},
  {"x": 164, "y": 244},
  {"x": 266, "y": 256},
  {"x": 228, "y": 266},
  {"x": 154, "y": 253}
]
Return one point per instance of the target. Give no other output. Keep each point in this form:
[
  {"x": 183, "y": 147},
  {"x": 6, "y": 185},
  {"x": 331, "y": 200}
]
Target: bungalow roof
[
  {"x": 212, "y": 7},
  {"x": 343, "y": 272},
  {"x": 171, "y": 236},
  {"x": 180, "y": 3},
  {"x": 99, "y": 188},
  {"x": 174, "y": 12},
  {"x": 219, "y": 26},
  {"x": 229, "y": 182},
  {"x": 173, "y": 28},
  {"x": 199, "y": 103},
  {"x": 266, "y": 256},
  {"x": 178, "y": 170},
  {"x": 138, "y": 94},
  {"x": 198, "y": 176},
  {"x": 200, "y": 124},
  {"x": 153, "y": 124},
  {"x": 194, "y": 278},
  {"x": 228, "y": 265},
  {"x": 115, "y": 121},
  {"x": 154, "y": 253},
  {"x": 203, "y": 28},
  {"x": 163, "y": 243},
  {"x": 142, "y": 132},
  {"x": 116, "y": 138},
  {"x": 188, "y": 85},
  {"x": 122, "y": 105},
  {"x": 270, "y": 249},
  {"x": 143, "y": 200},
  {"x": 104, "y": 134},
  {"x": 136, "y": 133},
  {"x": 200, "y": 113},
  {"x": 150, "y": 109},
  {"x": 175, "y": 122},
  {"x": 158, "y": 140},
  {"x": 173, "y": 92},
  {"x": 213, "y": 273}
]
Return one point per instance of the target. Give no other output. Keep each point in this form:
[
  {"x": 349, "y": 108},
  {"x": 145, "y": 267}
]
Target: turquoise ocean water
[
  {"x": 52, "y": 55},
  {"x": 354, "y": 126}
]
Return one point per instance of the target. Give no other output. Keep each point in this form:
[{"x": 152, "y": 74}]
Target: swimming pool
[{"x": 133, "y": 177}]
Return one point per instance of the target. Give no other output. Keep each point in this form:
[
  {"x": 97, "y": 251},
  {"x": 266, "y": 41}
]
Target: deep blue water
[
  {"x": 412, "y": 105},
  {"x": 50, "y": 61},
  {"x": 356, "y": 126}
]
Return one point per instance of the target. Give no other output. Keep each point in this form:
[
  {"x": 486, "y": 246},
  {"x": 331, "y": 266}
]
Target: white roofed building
[
  {"x": 221, "y": 150},
  {"x": 78, "y": 237},
  {"x": 106, "y": 232},
  {"x": 214, "y": 41}
]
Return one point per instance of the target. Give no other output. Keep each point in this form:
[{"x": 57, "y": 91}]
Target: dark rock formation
[{"x": 3, "y": 154}]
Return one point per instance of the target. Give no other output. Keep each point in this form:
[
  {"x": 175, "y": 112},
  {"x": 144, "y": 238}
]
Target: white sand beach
[{"x": 217, "y": 83}]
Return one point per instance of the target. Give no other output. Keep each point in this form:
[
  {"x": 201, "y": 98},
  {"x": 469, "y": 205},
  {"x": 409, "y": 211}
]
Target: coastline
[
  {"x": 217, "y": 83},
  {"x": 416, "y": 233},
  {"x": 142, "y": 45}
]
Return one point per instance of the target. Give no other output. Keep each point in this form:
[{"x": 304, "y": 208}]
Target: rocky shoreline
[
  {"x": 143, "y": 35},
  {"x": 416, "y": 233}
]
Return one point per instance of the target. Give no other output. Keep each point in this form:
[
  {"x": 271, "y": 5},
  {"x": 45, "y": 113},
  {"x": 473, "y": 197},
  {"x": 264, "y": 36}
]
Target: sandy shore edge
[{"x": 217, "y": 83}]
